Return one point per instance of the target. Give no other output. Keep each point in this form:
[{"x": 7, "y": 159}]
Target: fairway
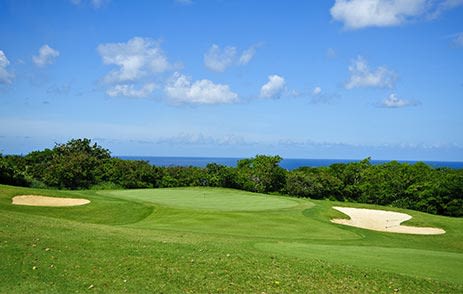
[
  {"x": 412, "y": 262},
  {"x": 199, "y": 240}
]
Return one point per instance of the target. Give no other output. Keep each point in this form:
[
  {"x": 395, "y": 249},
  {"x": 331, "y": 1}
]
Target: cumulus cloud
[
  {"x": 357, "y": 14},
  {"x": 394, "y": 102},
  {"x": 273, "y": 88},
  {"x": 218, "y": 59},
  {"x": 131, "y": 91},
  {"x": 362, "y": 76},
  {"x": 6, "y": 77},
  {"x": 180, "y": 89},
  {"x": 135, "y": 59},
  {"x": 47, "y": 55}
]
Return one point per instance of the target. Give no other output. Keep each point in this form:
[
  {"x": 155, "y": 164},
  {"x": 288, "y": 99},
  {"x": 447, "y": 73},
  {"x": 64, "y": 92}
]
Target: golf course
[{"x": 215, "y": 240}]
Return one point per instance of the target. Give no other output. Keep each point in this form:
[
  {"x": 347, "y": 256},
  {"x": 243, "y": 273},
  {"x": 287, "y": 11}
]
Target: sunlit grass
[{"x": 228, "y": 241}]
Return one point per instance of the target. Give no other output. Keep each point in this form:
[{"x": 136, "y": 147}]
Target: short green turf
[
  {"x": 209, "y": 199},
  {"x": 206, "y": 240}
]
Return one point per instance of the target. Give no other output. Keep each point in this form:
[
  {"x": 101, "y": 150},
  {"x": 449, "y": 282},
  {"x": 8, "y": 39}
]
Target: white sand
[
  {"x": 381, "y": 220},
  {"x": 34, "y": 200}
]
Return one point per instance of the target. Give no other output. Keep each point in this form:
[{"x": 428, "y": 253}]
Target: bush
[
  {"x": 129, "y": 174},
  {"x": 10, "y": 175}
]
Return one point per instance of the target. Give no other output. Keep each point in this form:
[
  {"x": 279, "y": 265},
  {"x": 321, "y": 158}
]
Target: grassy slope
[{"x": 214, "y": 240}]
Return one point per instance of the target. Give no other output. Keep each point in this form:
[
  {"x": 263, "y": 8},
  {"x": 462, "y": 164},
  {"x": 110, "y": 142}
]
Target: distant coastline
[{"x": 289, "y": 163}]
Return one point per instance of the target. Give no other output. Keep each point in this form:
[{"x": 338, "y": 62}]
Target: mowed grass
[
  {"x": 203, "y": 240},
  {"x": 208, "y": 199}
]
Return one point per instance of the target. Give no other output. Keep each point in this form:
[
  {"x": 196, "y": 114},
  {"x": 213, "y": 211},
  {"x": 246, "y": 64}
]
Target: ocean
[{"x": 289, "y": 164}]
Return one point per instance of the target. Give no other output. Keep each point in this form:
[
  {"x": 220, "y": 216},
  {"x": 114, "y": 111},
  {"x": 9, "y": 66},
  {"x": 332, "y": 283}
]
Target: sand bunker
[
  {"x": 34, "y": 200},
  {"x": 381, "y": 220}
]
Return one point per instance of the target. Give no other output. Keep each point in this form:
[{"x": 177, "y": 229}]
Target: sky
[{"x": 343, "y": 79}]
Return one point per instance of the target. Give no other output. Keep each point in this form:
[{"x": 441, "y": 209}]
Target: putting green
[{"x": 210, "y": 199}]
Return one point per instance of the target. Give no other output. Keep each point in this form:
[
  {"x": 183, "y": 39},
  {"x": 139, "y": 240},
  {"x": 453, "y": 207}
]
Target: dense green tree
[
  {"x": 37, "y": 162},
  {"x": 75, "y": 164},
  {"x": 350, "y": 174},
  {"x": 182, "y": 176},
  {"x": 261, "y": 174},
  {"x": 10, "y": 174},
  {"x": 315, "y": 183},
  {"x": 129, "y": 174},
  {"x": 303, "y": 184},
  {"x": 220, "y": 176}
]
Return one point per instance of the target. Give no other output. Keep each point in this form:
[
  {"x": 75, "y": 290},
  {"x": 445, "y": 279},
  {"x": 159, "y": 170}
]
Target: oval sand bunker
[
  {"x": 34, "y": 200},
  {"x": 381, "y": 220}
]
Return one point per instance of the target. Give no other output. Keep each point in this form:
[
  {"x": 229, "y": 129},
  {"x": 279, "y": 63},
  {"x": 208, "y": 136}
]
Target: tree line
[{"x": 81, "y": 164}]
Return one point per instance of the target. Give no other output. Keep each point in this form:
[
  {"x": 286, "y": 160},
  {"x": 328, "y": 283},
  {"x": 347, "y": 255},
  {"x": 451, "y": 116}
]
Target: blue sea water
[{"x": 289, "y": 164}]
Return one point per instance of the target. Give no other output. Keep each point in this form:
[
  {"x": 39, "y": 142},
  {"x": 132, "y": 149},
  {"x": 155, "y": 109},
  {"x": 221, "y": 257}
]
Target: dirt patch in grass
[
  {"x": 35, "y": 200},
  {"x": 382, "y": 220}
]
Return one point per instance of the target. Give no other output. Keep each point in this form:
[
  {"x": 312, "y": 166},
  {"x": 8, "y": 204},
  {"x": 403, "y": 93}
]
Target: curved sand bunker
[
  {"x": 34, "y": 200},
  {"x": 381, "y": 220}
]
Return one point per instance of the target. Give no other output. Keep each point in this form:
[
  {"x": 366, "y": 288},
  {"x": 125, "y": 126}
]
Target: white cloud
[
  {"x": 316, "y": 91},
  {"x": 131, "y": 91},
  {"x": 137, "y": 58},
  {"x": 362, "y": 76},
  {"x": 393, "y": 102},
  {"x": 5, "y": 76},
  {"x": 273, "y": 88},
  {"x": 247, "y": 55},
  {"x": 47, "y": 55},
  {"x": 180, "y": 89},
  {"x": 357, "y": 14},
  {"x": 217, "y": 59}
]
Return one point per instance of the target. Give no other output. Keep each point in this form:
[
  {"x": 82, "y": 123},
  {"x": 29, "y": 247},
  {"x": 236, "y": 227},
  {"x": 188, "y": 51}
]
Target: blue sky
[{"x": 302, "y": 79}]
